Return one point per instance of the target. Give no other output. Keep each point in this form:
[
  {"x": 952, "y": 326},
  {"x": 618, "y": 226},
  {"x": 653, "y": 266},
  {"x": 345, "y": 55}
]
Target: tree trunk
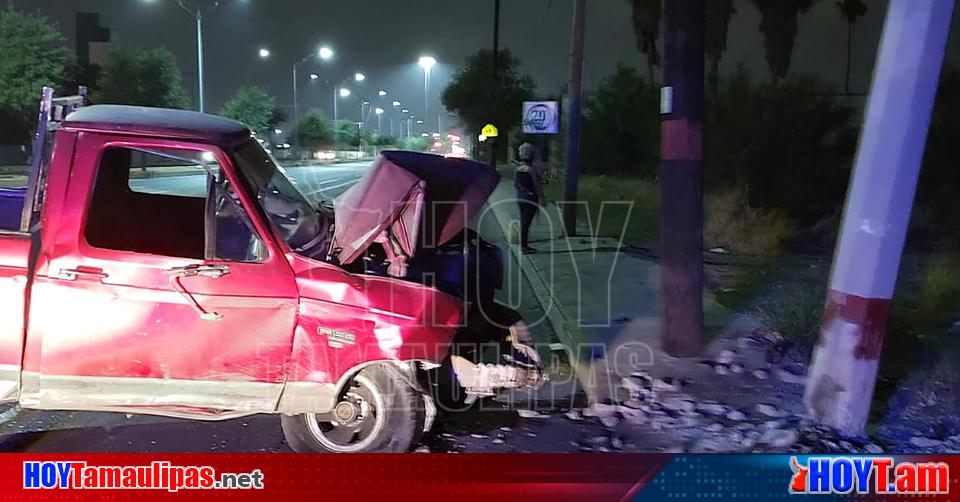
[{"x": 846, "y": 85}]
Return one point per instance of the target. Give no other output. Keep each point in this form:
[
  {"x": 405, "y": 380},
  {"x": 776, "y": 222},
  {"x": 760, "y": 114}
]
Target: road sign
[
  {"x": 541, "y": 117},
  {"x": 490, "y": 131}
]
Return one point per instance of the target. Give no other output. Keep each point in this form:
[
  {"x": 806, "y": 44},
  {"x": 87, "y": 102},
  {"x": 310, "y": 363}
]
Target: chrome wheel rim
[{"x": 356, "y": 422}]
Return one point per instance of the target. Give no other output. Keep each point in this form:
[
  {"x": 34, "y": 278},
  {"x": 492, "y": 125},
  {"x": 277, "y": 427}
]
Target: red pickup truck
[{"x": 161, "y": 262}]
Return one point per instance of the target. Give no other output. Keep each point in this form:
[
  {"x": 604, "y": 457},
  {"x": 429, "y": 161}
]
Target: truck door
[
  {"x": 159, "y": 292},
  {"x": 14, "y": 255}
]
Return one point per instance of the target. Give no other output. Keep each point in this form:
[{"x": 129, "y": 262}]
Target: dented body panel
[{"x": 101, "y": 329}]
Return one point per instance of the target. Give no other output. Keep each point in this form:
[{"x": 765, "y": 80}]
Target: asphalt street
[{"x": 317, "y": 182}]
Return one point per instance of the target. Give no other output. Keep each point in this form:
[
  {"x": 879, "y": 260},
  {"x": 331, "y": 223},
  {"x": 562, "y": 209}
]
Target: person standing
[{"x": 527, "y": 183}]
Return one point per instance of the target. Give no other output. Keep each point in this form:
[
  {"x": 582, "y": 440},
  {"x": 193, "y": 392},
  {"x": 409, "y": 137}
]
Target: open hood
[{"x": 410, "y": 201}]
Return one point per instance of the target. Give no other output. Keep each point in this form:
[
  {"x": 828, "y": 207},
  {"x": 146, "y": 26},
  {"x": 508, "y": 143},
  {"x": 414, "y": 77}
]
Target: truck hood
[{"x": 410, "y": 201}]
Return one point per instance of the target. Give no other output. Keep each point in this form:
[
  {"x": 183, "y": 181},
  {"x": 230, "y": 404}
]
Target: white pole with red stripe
[{"x": 879, "y": 201}]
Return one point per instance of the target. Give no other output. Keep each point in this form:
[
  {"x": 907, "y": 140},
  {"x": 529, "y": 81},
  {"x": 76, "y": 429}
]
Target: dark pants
[{"x": 529, "y": 202}]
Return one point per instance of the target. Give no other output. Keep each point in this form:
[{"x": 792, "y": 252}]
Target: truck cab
[{"x": 166, "y": 264}]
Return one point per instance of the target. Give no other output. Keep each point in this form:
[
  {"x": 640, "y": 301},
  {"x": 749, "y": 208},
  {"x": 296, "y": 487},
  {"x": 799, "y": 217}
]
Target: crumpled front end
[
  {"x": 347, "y": 321},
  {"x": 519, "y": 368}
]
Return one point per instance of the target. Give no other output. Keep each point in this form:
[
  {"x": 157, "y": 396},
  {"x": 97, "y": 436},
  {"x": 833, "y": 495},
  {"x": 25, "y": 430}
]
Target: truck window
[{"x": 154, "y": 201}]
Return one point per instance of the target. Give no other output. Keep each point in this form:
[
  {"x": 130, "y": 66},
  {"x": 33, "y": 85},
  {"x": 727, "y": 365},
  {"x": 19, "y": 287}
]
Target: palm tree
[
  {"x": 646, "y": 27},
  {"x": 778, "y": 23},
  {"x": 718, "y": 23},
  {"x": 850, "y": 10}
]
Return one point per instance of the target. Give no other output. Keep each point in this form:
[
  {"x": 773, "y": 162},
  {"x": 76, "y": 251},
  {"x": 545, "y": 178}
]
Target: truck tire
[{"x": 378, "y": 412}]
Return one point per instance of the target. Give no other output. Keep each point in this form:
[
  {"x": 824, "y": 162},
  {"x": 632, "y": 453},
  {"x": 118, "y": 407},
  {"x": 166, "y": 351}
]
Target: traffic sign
[
  {"x": 490, "y": 131},
  {"x": 541, "y": 117}
]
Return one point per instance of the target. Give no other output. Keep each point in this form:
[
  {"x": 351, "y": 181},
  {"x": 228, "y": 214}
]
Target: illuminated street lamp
[
  {"x": 382, "y": 93},
  {"x": 264, "y": 53},
  {"x": 325, "y": 54},
  {"x": 427, "y": 63},
  {"x": 341, "y": 92},
  {"x": 197, "y": 13},
  {"x": 379, "y": 112}
]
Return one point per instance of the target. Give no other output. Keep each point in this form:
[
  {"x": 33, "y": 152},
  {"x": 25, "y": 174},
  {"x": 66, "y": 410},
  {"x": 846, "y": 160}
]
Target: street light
[
  {"x": 427, "y": 63},
  {"x": 341, "y": 92},
  {"x": 382, "y": 93},
  {"x": 379, "y": 112},
  {"x": 197, "y": 13},
  {"x": 325, "y": 54},
  {"x": 264, "y": 53}
]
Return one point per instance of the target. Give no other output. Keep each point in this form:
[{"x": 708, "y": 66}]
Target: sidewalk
[{"x": 603, "y": 303}]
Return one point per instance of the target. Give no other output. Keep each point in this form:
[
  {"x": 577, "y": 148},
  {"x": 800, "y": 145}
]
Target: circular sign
[{"x": 539, "y": 117}]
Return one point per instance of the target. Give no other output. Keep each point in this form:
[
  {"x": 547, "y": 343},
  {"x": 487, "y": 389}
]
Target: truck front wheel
[{"x": 377, "y": 412}]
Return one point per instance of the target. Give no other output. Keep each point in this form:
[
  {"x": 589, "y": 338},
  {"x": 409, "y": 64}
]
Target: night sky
[{"x": 384, "y": 38}]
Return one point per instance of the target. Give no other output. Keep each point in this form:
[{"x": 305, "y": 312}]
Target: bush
[
  {"x": 789, "y": 146},
  {"x": 621, "y": 127},
  {"x": 794, "y": 311},
  {"x": 732, "y": 224},
  {"x": 940, "y": 179}
]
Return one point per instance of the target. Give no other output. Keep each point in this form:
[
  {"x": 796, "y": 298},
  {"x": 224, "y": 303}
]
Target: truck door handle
[
  {"x": 72, "y": 274},
  {"x": 209, "y": 271}
]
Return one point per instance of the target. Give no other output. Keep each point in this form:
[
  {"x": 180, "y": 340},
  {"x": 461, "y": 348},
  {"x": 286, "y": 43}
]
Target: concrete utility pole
[
  {"x": 576, "y": 114},
  {"x": 844, "y": 369},
  {"x": 681, "y": 177}
]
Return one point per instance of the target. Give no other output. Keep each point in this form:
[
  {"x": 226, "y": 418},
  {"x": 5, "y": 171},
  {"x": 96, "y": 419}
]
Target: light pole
[
  {"x": 396, "y": 106},
  {"x": 363, "y": 114},
  {"x": 427, "y": 63},
  {"x": 379, "y": 112},
  {"x": 325, "y": 54},
  {"x": 341, "y": 92},
  {"x": 197, "y": 13}
]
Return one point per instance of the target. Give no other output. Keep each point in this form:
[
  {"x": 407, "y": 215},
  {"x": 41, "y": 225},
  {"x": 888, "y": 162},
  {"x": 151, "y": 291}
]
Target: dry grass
[{"x": 732, "y": 224}]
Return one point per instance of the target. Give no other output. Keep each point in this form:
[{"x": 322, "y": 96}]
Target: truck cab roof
[{"x": 158, "y": 122}]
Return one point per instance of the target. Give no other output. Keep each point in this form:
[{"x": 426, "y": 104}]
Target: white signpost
[{"x": 541, "y": 117}]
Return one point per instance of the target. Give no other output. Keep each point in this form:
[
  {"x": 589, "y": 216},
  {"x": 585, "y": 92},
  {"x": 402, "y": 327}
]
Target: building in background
[{"x": 93, "y": 47}]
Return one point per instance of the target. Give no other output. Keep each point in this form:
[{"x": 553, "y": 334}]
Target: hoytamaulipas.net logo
[
  {"x": 868, "y": 475},
  {"x": 65, "y": 475}
]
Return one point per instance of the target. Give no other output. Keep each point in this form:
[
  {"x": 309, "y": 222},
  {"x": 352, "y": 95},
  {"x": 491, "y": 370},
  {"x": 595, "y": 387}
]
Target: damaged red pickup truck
[{"x": 233, "y": 295}]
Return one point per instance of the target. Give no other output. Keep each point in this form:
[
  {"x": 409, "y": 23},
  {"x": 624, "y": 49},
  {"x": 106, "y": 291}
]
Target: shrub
[
  {"x": 794, "y": 311},
  {"x": 732, "y": 224},
  {"x": 621, "y": 127},
  {"x": 789, "y": 146}
]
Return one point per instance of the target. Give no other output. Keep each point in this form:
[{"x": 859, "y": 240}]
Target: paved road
[
  {"x": 317, "y": 182},
  {"x": 44, "y": 431}
]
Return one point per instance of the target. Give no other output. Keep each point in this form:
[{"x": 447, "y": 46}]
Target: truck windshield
[{"x": 305, "y": 228}]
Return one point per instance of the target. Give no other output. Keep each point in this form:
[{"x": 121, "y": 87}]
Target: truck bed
[{"x": 11, "y": 207}]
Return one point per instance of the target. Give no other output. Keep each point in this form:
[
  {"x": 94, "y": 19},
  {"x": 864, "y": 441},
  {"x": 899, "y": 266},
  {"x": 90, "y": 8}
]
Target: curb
[
  {"x": 557, "y": 318},
  {"x": 564, "y": 327}
]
